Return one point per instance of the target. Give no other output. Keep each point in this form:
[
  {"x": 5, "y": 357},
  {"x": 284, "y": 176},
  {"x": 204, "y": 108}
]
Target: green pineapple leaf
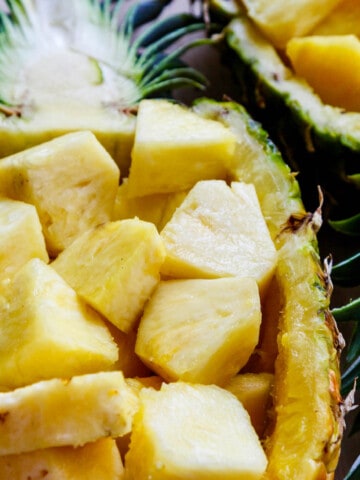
[
  {"x": 347, "y": 272},
  {"x": 354, "y": 472},
  {"x": 348, "y": 226}
]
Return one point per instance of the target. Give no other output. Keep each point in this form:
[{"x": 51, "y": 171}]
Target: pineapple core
[
  {"x": 219, "y": 231},
  {"x": 200, "y": 330},
  {"x": 193, "y": 431},
  {"x": 174, "y": 148}
]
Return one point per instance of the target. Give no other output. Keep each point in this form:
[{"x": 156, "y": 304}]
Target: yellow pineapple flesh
[
  {"x": 200, "y": 330},
  {"x": 115, "y": 268},
  {"x": 174, "y": 148},
  {"x": 317, "y": 58},
  {"x": 99, "y": 460},
  {"x": 64, "y": 412},
  {"x": 280, "y": 24},
  {"x": 47, "y": 331},
  {"x": 193, "y": 431},
  {"x": 71, "y": 180},
  {"x": 219, "y": 231},
  {"x": 254, "y": 390},
  {"x": 19, "y": 220}
]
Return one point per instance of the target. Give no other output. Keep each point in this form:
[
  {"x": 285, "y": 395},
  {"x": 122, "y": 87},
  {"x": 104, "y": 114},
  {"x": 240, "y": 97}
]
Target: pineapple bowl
[{"x": 168, "y": 315}]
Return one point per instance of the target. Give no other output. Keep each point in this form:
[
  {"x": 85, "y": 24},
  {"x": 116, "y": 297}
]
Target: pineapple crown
[{"x": 93, "y": 52}]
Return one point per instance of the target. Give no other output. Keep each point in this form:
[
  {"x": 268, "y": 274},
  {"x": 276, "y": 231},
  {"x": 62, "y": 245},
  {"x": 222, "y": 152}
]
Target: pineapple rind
[{"x": 60, "y": 412}]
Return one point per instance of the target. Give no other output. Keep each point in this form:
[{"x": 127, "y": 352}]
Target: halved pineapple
[
  {"x": 193, "y": 431},
  {"x": 200, "y": 331},
  {"x": 219, "y": 231},
  {"x": 71, "y": 180},
  {"x": 61, "y": 412},
  {"x": 114, "y": 267},
  {"x": 47, "y": 331},
  {"x": 19, "y": 220},
  {"x": 174, "y": 148},
  {"x": 98, "y": 460}
]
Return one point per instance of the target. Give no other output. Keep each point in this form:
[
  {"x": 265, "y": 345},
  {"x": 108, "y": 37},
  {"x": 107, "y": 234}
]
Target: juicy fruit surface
[
  {"x": 180, "y": 432},
  {"x": 60, "y": 412},
  {"x": 319, "y": 58},
  {"x": 174, "y": 148},
  {"x": 281, "y": 24},
  {"x": 219, "y": 231},
  {"x": 131, "y": 252},
  {"x": 98, "y": 460},
  {"x": 41, "y": 314},
  {"x": 61, "y": 179},
  {"x": 200, "y": 331}
]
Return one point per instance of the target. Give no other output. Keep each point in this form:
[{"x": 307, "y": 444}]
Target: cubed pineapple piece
[
  {"x": 280, "y": 24},
  {"x": 71, "y": 180},
  {"x": 64, "y": 412},
  {"x": 98, "y": 460},
  {"x": 193, "y": 431},
  {"x": 19, "y": 221},
  {"x": 115, "y": 268},
  {"x": 344, "y": 19},
  {"x": 200, "y": 331},
  {"x": 156, "y": 208},
  {"x": 219, "y": 231},
  {"x": 319, "y": 58},
  {"x": 254, "y": 390},
  {"x": 174, "y": 148},
  {"x": 46, "y": 330}
]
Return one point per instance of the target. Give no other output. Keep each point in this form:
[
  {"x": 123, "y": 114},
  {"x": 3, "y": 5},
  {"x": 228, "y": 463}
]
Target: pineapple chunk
[
  {"x": 174, "y": 148},
  {"x": 219, "y": 231},
  {"x": 318, "y": 58},
  {"x": 253, "y": 390},
  {"x": 19, "y": 220},
  {"x": 99, "y": 460},
  {"x": 71, "y": 180},
  {"x": 193, "y": 431},
  {"x": 115, "y": 268},
  {"x": 280, "y": 24},
  {"x": 47, "y": 331},
  {"x": 200, "y": 331},
  {"x": 157, "y": 208},
  {"x": 61, "y": 412}
]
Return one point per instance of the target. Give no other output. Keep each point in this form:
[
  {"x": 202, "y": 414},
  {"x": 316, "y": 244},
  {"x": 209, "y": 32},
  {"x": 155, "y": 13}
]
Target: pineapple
[
  {"x": 157, "y": 208},
  {"x": 114, "y": 268},
  {"x": 99, "y": 460},
  {"x": 78, "y": 66},
  {"x": 47, "y": 331},
  {"x": 174, "y": 148},
  {"x": 254, "y": 390},
  {"x": 19, "y": 220},
  {"x": 219, "y": 231},
  {"x": 193, "y": 431},
  {"x": 200, "y": 331},
  {"x": 66, "y": 412},
  {"x": 318, "y": 58},
  {"x": 342, "y": 20},
  {"x": 280, "y": 24},
  {"x": 72, "y": 181}
]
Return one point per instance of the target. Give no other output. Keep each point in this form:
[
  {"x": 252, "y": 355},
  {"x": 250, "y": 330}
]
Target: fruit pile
[{"x": 168, "y": 314}]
